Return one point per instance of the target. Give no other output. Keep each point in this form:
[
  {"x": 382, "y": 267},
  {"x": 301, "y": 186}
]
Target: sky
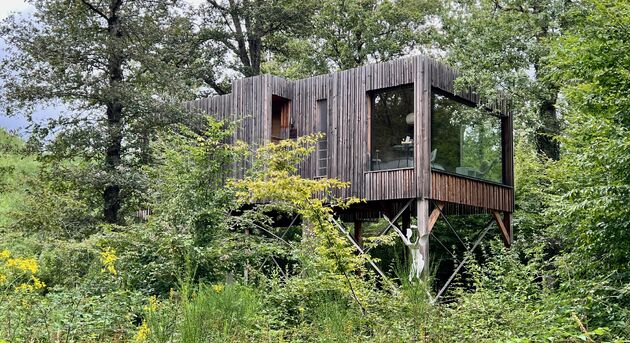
[{"x": 18, "y": 124}]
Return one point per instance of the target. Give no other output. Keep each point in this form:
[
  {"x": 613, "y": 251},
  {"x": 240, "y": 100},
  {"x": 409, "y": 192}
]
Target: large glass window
[
  {"x": 392, "y": 120},
  {"x": 465, "y": 140}
]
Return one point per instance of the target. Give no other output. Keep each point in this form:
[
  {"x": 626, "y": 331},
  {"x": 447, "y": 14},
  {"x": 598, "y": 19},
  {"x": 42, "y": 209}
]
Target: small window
[
  {"x": 322, "y": 145},
  {"x": 391, "y": 125},
  {"x": 279, "y": 118},
  {"x": 465, "y": 139}
]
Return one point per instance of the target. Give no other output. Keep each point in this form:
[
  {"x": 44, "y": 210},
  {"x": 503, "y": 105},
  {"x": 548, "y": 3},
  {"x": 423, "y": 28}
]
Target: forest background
[{"x": 78, "y": 264}]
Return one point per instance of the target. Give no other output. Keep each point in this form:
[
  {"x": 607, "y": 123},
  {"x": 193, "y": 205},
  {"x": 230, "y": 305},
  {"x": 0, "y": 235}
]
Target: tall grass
[{"x": 218, "y": 313}]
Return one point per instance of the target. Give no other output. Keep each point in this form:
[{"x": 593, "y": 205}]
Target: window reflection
[
  {"x": 465, "y": 140},
  {"x": 392, "y": 123}
]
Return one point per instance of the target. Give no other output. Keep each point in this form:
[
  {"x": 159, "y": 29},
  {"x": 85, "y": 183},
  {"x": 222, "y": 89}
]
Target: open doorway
[{"x": 280, "y": 108}]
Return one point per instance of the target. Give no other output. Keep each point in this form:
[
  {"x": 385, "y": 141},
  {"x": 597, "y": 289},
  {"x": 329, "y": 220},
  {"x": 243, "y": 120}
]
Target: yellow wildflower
[
  {"x": 23, "y": 264},
  {"x": 3, "y": 279},
  {"x": 153, "y": 304},
  {"x": 108, "y": 259},
  {"x": 24, "y": 287},
  {"x": 143, "y": 332},
  {"x": 37, "y": 283},
  {"x": 5, "y": 254},
  {"x": 218, "y": 288}
]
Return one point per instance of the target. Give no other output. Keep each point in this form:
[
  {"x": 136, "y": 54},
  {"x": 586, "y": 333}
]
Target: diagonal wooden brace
[
  {"x": 504, "y": 226},
  {"x": 435, "y": 214}
]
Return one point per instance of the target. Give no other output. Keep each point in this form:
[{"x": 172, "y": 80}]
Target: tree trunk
[
  {"x": 114, "y": 112},
  {"x": 550, "y": 124},
  {"x": 550, "y": 127}
]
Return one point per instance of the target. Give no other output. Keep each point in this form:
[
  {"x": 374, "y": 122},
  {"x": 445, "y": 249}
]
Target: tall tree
[
  {"x": 351, "y": 33},
  {"x": 241, "y": 32},
  {"x": 113, "y": 64},
  {"x": 348, "y": 34},
  {"x": 500, "y": 45}
]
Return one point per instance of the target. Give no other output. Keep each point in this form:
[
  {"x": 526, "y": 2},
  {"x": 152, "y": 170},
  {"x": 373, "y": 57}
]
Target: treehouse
[{"x": 398, "y": 132}]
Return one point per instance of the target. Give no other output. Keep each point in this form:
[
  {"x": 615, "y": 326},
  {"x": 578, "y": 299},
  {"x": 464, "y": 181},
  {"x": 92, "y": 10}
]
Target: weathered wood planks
[{"x": 466, "y": 191}]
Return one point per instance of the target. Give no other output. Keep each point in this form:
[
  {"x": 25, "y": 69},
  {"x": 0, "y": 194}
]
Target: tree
[
  {"x": 592, "y": 180},
  {"x": 113, "y": 64},
  {"x": 500, "y": 46},
  {"x": 240, "y": 32},
  {"x": 349, "y": 34}
]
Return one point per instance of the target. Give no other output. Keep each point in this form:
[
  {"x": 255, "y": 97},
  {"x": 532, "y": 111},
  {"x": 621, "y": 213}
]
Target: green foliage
[
  {"x": 516, "y": 301},
  {"x": 187, "y": 177},
  {"x": 499, "y": 48},
  {"x": 238, "y": 35},
  {"x": 350, "y": 33},
  {"x": 593, "y": 180},
  {"x": 92, "y": 307},
  {"x": 222, "y": 313},
  {"x": 113, "y": 66},
  {"x": 16, "y": 168}
]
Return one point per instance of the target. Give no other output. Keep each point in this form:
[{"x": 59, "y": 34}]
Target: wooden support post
[
  {"x": 422, "y": 208},
  {"x": 506, "y": 235},
  {"x": 358, "y": 233}
]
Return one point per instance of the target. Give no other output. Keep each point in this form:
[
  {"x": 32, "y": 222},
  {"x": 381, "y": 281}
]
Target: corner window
[
  {"x": 391, "y": 128},
  {"x": 465, "y": 140},
  {"x": 322, "y": 145}
]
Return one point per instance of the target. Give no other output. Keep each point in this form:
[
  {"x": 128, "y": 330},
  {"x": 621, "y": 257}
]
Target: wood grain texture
[{"x": 466, "y": 191}]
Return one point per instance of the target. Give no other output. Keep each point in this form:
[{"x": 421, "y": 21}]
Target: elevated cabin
[{"x": 395, "y": 131}]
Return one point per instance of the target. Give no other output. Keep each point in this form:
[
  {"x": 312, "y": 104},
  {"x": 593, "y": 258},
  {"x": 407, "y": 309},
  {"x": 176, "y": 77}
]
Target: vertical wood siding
[{"x": 465, "y": 191}]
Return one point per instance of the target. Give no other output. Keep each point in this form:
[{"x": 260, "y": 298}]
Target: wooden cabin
[{"x": 395, "y": 131}]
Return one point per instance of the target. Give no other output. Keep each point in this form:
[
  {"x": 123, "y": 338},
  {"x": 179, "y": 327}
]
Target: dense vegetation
[{"x": 209, "y": 263}]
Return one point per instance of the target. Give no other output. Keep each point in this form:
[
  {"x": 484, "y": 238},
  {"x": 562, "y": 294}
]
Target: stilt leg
[{"x": 422, "y": 208}]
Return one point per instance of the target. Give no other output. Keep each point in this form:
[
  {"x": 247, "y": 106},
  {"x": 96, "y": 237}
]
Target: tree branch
[
  {"x": 94, "y": 9},
  {"x": 216, "y": 5}
]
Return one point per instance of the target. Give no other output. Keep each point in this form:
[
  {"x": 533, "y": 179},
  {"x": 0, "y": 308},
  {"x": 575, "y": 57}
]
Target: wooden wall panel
[
  {"x": 390, "y": 184},
  {"x": 304, "y": 114},
  {"x": 466, "y": 191},
  {"x": 349, "y": 122}
]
